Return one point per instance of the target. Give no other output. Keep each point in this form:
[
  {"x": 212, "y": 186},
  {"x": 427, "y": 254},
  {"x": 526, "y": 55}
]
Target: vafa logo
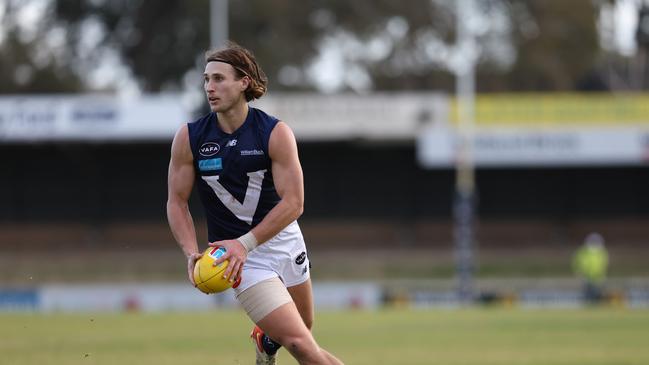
[{"x": 209, "y": 149}]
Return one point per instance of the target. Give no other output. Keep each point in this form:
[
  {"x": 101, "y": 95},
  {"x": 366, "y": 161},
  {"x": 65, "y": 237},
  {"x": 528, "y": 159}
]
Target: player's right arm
[{"x": 179, "y": 187}]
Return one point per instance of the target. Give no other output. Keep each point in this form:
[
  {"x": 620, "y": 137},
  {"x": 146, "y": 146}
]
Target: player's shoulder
[
  {"x": 188, "y": 131},
  {"x": 201, "y": 127},
  {"x": 282, "y": 131},
  {"x": 200, "y": 122},
  {"x": 180, "y": 147},
  {"x": 260, "y": 114},
  {"x": 281, "y": 139},
  {"x": 263, "y": 119}
]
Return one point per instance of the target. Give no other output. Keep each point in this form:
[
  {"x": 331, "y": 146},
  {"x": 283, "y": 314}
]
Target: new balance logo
[{"x": 231, "y": 143}]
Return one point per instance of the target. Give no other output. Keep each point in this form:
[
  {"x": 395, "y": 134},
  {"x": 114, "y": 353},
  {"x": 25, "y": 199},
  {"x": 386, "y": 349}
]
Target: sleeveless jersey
[{"x": 233, "y": 173}]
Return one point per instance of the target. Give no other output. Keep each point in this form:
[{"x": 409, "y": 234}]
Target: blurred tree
[
  {"x": 392, "y": 45},
  {"x": 642, "y": 39},
  {"x": 29, "y": 60},
  {"x": 557, "y": 44},
  {"x": 158, "y": 41},
  {"x": 624, "y": 65},
  {"x": 303, "y": 45}
]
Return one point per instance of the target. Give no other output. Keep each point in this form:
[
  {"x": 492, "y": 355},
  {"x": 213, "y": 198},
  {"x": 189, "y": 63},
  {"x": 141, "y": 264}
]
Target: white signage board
[
  {"x": 605, "y": 146},
  {"x": 89, "y": 117},
  {"x": 376, "y": 116}
]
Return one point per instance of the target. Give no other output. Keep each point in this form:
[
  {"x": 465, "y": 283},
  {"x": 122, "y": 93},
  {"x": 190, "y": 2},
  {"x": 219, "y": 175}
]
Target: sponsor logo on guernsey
[
  {"x": 231, "y": 143},
  {"x": 209, "y": 149},
  {"x": 213, "y": 164},
  {"x": 252, "y": 153},
  {"x": 300, "y": 258}
]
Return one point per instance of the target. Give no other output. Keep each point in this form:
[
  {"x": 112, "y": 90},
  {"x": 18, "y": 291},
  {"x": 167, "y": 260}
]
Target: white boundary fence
[{"x": 161, "y": 297}]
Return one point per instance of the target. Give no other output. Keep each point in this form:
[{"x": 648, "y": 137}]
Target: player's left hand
[{"x": 235, "y": 254}]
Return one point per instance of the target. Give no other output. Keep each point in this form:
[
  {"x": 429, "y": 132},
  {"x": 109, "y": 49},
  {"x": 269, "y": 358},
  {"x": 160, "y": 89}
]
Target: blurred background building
[{"x": 93, "y": 90}]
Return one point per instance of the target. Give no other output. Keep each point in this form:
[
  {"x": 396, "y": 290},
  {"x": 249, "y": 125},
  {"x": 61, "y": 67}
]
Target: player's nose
[{"x": 209, "y": 86}]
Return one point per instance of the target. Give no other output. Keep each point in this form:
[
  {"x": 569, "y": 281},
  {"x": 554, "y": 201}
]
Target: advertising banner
[{"x": 89, "y": 118}]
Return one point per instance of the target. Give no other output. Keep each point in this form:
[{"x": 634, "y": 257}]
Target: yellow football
[{"x": 209, "y": 278}]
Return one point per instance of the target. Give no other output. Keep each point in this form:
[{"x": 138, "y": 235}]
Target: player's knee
[
  {"x": 302, "y": 347},
  {"x": 296, "y": 344}
]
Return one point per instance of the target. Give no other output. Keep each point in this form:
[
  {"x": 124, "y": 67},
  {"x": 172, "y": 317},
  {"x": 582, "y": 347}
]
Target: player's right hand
[
  {"x": 236, "y": 254},
  {"x": 191, "y": 262}
]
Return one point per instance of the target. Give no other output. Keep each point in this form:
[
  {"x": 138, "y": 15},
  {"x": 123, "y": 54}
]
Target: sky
[{"x": 625, "y": 21}]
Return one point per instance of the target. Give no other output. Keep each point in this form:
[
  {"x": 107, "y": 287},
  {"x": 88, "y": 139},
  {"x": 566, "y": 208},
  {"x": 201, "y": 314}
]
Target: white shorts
[{"x": 283, "y": 256}]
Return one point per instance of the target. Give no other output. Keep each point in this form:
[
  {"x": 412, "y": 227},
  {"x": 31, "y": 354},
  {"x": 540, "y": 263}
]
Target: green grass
[{"x": 452, "y": 337}]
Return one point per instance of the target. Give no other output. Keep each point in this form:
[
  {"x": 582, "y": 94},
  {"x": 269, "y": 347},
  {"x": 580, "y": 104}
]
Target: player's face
[{"x": 222, "y": 89}]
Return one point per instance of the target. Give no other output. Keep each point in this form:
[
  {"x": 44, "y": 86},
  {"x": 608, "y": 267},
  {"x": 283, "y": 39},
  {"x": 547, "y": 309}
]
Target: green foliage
[
  {"x": 557, "y": 45},
  {"x": 396, "y": 45},
  {"x": 27, "y": 64},
  {"x": 158, "y": 41}
]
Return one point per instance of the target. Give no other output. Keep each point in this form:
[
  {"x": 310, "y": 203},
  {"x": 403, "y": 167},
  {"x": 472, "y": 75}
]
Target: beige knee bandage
[{"x": 264, "y": 297}]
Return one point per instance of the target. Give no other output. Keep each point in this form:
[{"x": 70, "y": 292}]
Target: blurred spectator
[{"x": 590, "y": 263}]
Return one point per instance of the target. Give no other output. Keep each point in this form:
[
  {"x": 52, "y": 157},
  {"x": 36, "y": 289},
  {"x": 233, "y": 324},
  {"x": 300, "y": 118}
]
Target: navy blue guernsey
[{"x": 233, "y": 173}]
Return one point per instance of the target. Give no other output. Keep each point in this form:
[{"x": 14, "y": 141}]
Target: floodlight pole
[
  {"x": 218, "y": 23},
  {"x": 465, "y": 202}
]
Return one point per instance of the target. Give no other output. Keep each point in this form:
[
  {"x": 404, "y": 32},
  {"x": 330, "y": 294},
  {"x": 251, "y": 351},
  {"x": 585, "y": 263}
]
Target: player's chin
[{"x": 217, "y": 107}]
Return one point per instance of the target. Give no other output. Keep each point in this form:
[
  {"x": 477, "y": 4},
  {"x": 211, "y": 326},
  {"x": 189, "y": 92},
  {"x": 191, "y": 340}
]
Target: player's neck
[{"x": 233, "y": 118}]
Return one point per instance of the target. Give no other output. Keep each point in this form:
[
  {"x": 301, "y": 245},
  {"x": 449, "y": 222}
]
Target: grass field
[{"x": 451, "y": 337}]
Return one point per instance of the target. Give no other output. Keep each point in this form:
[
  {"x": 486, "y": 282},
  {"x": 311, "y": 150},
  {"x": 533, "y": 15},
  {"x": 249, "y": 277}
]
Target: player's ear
[{"x": 245, "y": 83}]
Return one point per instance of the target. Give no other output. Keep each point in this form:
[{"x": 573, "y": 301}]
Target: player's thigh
[
  {"x": 302, "y": 295},
  {"x": 285, "y": 326}
]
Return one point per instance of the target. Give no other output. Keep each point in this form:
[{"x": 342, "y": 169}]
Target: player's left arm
[{"x": 289, "y": 184}]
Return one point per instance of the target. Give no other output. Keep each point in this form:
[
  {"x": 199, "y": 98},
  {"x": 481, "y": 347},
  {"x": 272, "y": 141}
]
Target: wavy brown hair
[{"x": 244, "y": 64}]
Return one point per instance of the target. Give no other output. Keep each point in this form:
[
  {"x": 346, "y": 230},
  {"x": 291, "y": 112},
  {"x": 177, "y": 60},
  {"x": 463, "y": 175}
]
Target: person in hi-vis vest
[{"x": 590, "y": 263}]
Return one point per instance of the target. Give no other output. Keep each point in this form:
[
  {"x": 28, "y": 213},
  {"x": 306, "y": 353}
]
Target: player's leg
[
  {"x": 292, "y": 266},
  {"x": 270, "y": 306},
  {"x": 286, "y": 326},
  {"x": 302, "y": 295},
  {"x": 266, "y": 348}
]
